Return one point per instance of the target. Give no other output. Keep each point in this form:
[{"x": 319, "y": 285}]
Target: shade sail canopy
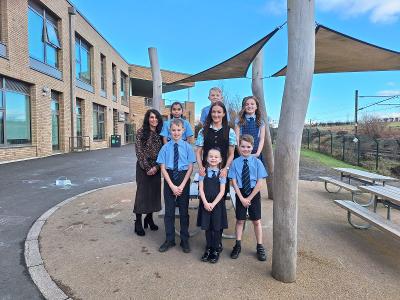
[
  {"x": 336, "y": 52},
  {"x": 234, "y": 67}
]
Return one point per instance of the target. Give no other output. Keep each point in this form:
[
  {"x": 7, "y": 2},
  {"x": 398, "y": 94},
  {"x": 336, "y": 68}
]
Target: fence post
[
  {"x": 376, "y": 154},
  {"x": 343, "y": 145},
  {"x": 358, "y": 149},
  {"x": 308, "y": 138},
  {"x": 319, "y": 140},
  {"x": 330, "y": 132}
]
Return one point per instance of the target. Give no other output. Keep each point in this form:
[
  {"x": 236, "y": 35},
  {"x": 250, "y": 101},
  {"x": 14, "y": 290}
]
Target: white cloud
[
  {"x": 391, "y": 83},
  {"x": 379, "y": 11},
  {"x": 389, "y": 93},
  {"x": 275, "y": 7}
]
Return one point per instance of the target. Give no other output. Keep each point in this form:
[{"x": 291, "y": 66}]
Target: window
[
  {"x": 44, "y": 42},
  {"x": 78, "y": 114},
  {"x": 148, "y": 102},
  {"x": 114, "y": 82},
  {"x": 82, "y": 60},
  {"x": 124, "y": 96},
  {"x": 103, "y": 72},
  {"x": 15, "y": 117},
  {"x": 98, "y": 122}
]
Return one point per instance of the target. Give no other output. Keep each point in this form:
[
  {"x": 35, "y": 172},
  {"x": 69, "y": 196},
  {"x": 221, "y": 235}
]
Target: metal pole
[
  {"x": 156, "y": 76},
  {"x": 72, "y": 54},
  {"x": 355, "y": 112}
]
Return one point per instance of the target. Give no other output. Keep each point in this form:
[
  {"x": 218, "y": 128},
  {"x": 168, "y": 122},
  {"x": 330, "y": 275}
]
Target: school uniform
[
  {"x": 186, "y": 125},
  {"x": 250, "y": 127},
  {"x": 247, "y": 171},
  {"x": 216, "y": 220},
  {"x": 176, "y": 157},
  {"x": 204, "y": 113}
]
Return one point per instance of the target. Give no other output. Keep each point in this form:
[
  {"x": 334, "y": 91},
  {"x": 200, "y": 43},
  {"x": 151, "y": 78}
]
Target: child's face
[
  {"x": 250, "y": 106},
  {"x": 176, "y": 111},
  {"x": 214, "y": 96},
  {"x": 245, "y": 148},
  {"x": 214, "y": 158},
  {"x": 176, "y": 132},
  {"x": 217, "y": 114}
]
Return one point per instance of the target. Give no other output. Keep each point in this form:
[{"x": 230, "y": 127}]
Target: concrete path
[{"x": 89, "y": 249}]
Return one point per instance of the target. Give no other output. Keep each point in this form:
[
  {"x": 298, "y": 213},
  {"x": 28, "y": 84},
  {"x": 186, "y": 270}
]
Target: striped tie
[
  {"x": 246, "y": 178},
  {"x": 175, "y": 173},
  {"x": 213, "y": 174}
]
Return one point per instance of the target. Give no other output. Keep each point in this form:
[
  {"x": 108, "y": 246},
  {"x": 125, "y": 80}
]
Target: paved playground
[{"x": 90, "y": 251}]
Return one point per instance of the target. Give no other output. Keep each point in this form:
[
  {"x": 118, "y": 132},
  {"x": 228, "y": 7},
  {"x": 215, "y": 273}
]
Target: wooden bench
[
  {"x": 370, "y": 217},
  {"x": 351, "y": 188}
]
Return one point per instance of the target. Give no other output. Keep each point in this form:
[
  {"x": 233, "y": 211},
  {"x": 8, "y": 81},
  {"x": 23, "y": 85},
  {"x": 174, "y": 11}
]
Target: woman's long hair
[
  {"x": 146, "y": 124},
  {"x": 208, "y": 122},
  {"x": 242, "y": 113}
]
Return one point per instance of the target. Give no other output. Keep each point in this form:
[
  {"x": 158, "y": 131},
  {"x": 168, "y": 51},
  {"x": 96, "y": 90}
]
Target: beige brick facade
[{"x": 16, "y": 64}]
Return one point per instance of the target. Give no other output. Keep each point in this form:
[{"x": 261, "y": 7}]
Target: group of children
[{"x": 216, "y": 167}]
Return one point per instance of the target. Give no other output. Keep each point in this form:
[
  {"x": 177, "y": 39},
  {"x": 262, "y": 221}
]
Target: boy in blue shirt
[
  {"x": 176, "y": 159},
  {"x": 214, "y": 95},
  {"x": 247, "y": 173}
]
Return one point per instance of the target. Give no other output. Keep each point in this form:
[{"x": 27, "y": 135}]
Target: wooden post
[
  {"x": 157, "y": 80},
  {"x": 258, "y": 91},
  {"x": 300, "y": 68}
]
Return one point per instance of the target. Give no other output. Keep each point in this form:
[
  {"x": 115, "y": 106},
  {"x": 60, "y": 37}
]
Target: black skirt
[
  {"x": 148, "y": 192},
  {"x": 216, "y": 219}
]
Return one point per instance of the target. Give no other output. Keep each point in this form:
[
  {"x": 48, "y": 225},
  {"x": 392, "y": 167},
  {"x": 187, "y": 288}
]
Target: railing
[{"x": 79, "y": 143}]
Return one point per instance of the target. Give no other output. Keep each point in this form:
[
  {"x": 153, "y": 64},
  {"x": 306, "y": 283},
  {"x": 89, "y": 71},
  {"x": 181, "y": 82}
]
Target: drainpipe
[{"x": 71, "y": 13}]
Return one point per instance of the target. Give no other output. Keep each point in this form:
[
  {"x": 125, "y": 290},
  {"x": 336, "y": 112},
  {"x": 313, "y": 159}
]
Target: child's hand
[
  {"x": 212, "y": 205},
  {"x": 223, "y": 173},
  {"x": 207, "y": 206},
  {"x": 175, "y": 190},
  {"x": 248, "y": 202},
  {"x": 202, "y": 171},
  {"x": 181, "y": 188}
]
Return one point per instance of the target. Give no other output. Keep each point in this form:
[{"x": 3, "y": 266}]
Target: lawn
[{"x": 327, "y": 160}]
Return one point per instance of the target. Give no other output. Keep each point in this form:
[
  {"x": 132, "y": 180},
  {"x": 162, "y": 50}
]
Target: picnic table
[{"x": 364, "y": 176}]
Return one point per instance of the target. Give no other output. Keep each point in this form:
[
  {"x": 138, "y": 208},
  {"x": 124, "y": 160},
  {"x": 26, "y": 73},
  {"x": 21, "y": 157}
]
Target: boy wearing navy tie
[
  {"x": 176, "y": 159},
  {"x": 247, "y": 173}
]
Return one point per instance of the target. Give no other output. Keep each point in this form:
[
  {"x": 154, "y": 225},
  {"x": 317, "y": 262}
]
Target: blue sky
[{"x": 191, "y": 36}]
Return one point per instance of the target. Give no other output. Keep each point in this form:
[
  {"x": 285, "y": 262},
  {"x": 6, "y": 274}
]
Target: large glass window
[
  {"x": 98, "y": 122},
  {"x": 103, "y": 72},
  {"x": 123, "y": 89},
  {"x": 78, "y": 113},
  {"x": 114, "y": 81},
  {"x": 82, "y": 59},
  {"x": 44, "y": 41},
  {"x": 55, "y": 120}
]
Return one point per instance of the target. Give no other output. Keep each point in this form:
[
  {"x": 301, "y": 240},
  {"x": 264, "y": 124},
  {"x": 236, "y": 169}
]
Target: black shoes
[
  {"x": 261, "y": 253},
  {"x": 185, "y": 246},
  {"x": 236, "y": 251},
  {"x": 139, "y": 228},
  {"x": 214, "y": 256},
  {"x": 206, "y": 255},
  {"x": 167, "y": 244},
  {"x": 220, "y": 248},
  {"x": 148, "y": 221}
]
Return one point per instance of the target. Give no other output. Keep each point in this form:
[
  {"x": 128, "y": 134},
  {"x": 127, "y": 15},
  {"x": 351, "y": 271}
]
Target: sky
[{"x": 191, "y": 36}]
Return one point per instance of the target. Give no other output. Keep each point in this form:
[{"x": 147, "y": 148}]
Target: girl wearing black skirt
[
  {"x": 148, "y": 175},
  {"x": 212, "y": 212}
]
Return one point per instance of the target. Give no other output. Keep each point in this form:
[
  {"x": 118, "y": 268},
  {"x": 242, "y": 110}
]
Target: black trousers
[{"x": 170, "y": 202}]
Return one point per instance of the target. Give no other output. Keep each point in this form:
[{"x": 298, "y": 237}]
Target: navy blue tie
[
  {"x": 213, "y": 174},
  {"x": 175, "y": 173},
  {"x": 246, "y": 178}
]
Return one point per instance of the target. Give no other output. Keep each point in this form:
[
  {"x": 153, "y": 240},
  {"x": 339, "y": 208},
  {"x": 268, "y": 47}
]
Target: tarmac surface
[
  {"x": 91, "y": 252},
  {"x": 27, "y": 190}
]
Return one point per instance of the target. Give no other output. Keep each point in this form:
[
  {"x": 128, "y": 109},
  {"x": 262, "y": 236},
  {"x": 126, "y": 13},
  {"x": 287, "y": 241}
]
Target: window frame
[
  {"x": 103, "y": 71},
  {"x": 97, "y": 111},
  {"x": 114, "y": 81},
  {"x": 82, "y": 45},
  {"x": 123, "y": 88},
  {"x": 48, "y": 19}
]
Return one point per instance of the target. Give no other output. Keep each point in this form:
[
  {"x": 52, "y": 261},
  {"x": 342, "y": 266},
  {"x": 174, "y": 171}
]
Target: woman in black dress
[{"x": 148, "y": 175}]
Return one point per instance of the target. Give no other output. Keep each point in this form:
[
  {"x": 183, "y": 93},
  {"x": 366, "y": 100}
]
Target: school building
[{"x": 63, "y": 87}]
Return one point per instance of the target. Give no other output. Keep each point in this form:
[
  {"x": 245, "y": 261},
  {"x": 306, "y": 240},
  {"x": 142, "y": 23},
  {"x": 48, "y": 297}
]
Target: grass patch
[{"x": 327, "y": 160}]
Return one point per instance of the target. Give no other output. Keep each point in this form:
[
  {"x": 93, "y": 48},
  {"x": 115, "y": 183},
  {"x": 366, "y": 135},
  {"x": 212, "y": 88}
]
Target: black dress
[
  {"x": 148, "y": 191},
  {"x": 217, "y": 218}
]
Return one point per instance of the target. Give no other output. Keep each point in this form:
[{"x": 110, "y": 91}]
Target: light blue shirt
[
  {"x": 222, "y": 180},
  {"x": 186, "y": 155},
  {"x": 248, "y": 119},
  {"x": 187, "y": 133},
  {"x": 204, "y": 114},
  {"x": 256, "y": 168},
  {"x": 232, "y": 138}
]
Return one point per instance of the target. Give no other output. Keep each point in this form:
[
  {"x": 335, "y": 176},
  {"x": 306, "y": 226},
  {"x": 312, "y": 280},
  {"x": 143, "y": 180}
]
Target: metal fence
[{"x": 360, "y": 150}]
